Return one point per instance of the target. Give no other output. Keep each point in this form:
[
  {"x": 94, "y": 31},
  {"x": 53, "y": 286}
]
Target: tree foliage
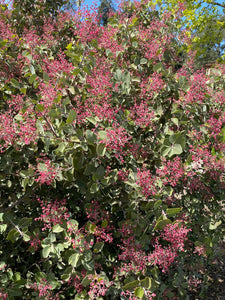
[
  {"x": 112, "y": 158},
  {"x": 205, "y": 21}
]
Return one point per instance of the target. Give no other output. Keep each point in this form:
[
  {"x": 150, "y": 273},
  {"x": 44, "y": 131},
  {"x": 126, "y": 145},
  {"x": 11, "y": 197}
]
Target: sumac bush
[{"x": 112, "y": 158}]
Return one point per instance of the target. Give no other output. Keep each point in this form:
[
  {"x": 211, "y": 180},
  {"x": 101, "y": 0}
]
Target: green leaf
[
  {"x": 91, "y": 137},
  {"x": 177, "y": 138},
  {"x": 24, "y": 222},
  {"x": 139, "y": 292},
  {"x": 102, "y": 134},
  {"x": 71, "y": 116},
  {"x": 92, "y": 227},
  {"x": 86, "y": 281},
  {"x": 93, "y": 120},
  {"x": 146, "y": 283},
  {"x": 213, "y": 226},
  {"x": 87, "y": 255},
  {"x": 40, "y": 127},
  {"x": 166, "y": 150},
  {"x": 118, "y": 75},
  {"x": 171, "y": 212},
  {"x": 45, "y": 77},
  {"x": 26, "y": 237},
  {"x": 16, "y": 276},
  {"x": 3, "y": 228},
  {"x": 48, "y": 240},
  {"x": 32, "y": 78},
  {"x": 143, "y": 61},
  {"x": 32, "y": 70},
  {"x": 67, "y": 273},
  {"x": 15, "y": 83},
  {"x": 94, "y": 188},
  {"x": 74, "y": 139},
  {"x": 39, "y": 276},
  {"x": 14, "y": 292},
  {"x": 98, "y": 247},
  {"x": 40, "y": 107},
  {"x": 52, "y": 237},
  {"x": 72, "y": 90},
  {"x": 46, "y": 251},
  {"x": 23, "y": 90},
  {"x": 158, "y": 67},
  {"x": 78, "y": 160},
  {"x": 157, "y": 204},
  {"x": 57, "y": 228},
  {"x": 184, "y": 84},
  {"x": 69, "y": 46},
  {"x": 175, "y": 121},
  {"x": 161, "y": 224},
  {"x": 89, "y": 266},
  {"x": 27, "y": 54},
  {"x": 108, "y": 53},
  {"x": 104, "y": 223},
  {"x": 13, "y": 235},
  {"x": 131, "y": 285},
  {"x": 101, "y": 149},
  {"x": 73, "y": 259},
  {"x": 175, "y": 150}
]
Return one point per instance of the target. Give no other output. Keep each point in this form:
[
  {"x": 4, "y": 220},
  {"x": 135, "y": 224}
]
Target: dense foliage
[{"x": 112, "y": 158}]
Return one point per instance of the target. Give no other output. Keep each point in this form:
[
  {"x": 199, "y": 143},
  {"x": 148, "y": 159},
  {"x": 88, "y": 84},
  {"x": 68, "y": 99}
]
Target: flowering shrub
[{"x": 112, "y": 157}]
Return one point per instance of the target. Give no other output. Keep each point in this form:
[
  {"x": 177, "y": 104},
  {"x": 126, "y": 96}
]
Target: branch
[
  {"x": 49, "y": 124},
  {"x": 218, "y": 4}
]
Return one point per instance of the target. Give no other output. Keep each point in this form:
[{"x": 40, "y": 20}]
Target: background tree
[
  {"x": 105, "y": 8},
  {"x": 205, "y": 22}
]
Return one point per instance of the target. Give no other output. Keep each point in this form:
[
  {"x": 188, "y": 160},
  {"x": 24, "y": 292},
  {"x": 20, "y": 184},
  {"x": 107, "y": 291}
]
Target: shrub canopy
[{"x": 112, "y": 158}]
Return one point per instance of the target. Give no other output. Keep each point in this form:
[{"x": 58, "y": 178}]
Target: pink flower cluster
[
  {"x": 147, "y": 182},
  {"x": 16, "y": 131},
  {"x": 46, "y": 171},
  {"x": 75, "y": 281},
  {"x": 3, "y": 296},
  {"x": 53, "y": 213},
  {"x": 142, "y": 115},
  {"x": 175, "y": 234},
  {"x": 163, "y": 257},
  {"x": 101, "y": 220},
  {"x": 130, "y": 295},
  {"x": 117, "y": 141},
  {"x": 35, "y": 242},
  {"x": 134, "y": 259},
  {"x": 98, "y": 286},
  {"x": 171, "y": 171},
  {"x": 43, "y": 288}
]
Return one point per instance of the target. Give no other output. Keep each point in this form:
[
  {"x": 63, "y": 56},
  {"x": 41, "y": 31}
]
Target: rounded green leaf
[
  {"x": 146, "y": 283},
  {"x": 161, "y": 224},
  {"x": 46, "y": 251},
  {"x": 139, "y": 292},
  {"x": 73, "y": 259},
  {"x": 57, "y": 228}
]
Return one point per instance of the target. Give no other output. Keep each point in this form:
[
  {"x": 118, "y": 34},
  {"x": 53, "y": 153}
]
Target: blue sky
[{"x": 89, "y": 2}]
